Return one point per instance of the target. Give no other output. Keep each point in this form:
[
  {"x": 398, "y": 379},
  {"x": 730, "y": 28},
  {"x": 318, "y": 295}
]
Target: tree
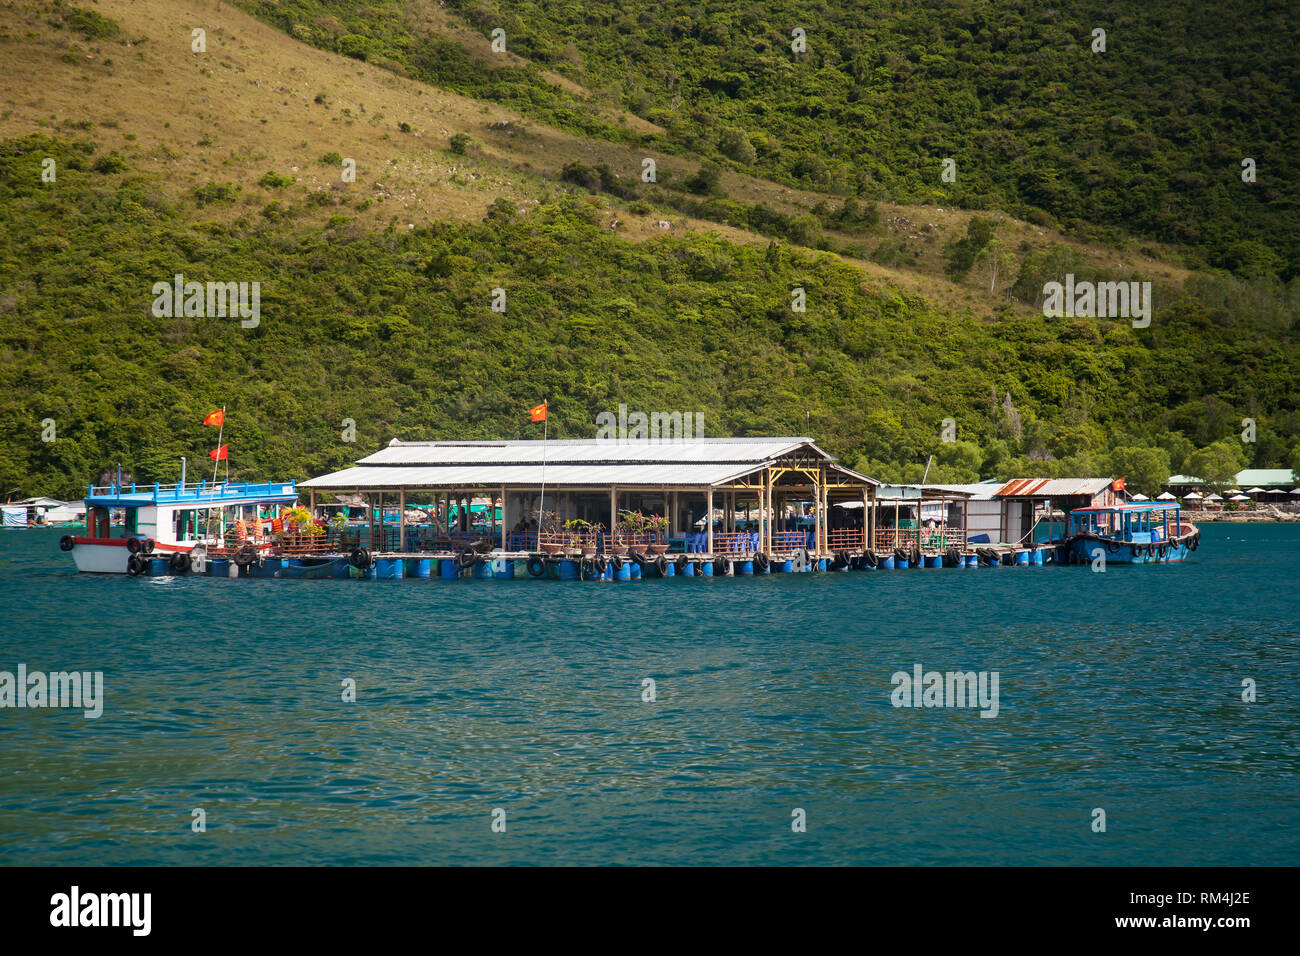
[
  {"x": 1144, "y": 470},
  {"x": 1217, "y": 464},
  {"x": 996, "y": 259}
]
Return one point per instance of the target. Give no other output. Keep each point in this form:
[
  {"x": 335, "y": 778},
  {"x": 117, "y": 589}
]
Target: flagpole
[
  {"x": 216, "y": 463},
  {"x": 541, "y": 506}
]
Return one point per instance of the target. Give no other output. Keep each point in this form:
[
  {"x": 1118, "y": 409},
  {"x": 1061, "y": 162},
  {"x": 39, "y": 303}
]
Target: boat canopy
[
  {"x": 199, "y": 494},
  {"x": 1131, "y": 508}
]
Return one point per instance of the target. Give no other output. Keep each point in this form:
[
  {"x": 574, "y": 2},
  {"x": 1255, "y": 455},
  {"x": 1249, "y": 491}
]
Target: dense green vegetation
[
  {"x": 1145, "y": 138},
  {"x": 396, "y": 331}
]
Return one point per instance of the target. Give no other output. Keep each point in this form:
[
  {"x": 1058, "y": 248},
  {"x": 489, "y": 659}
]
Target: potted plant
[
  {"x": 550, "y": 537},
  {"x": 657, "y": 525}
]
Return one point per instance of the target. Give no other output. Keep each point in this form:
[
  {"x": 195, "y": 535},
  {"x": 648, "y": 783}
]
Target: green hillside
[
  {"x": 1146, "y": 138},
  {"x": 396, "y": 331}
]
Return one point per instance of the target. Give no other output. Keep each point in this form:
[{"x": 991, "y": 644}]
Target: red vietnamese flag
[
  {"x": 217, "y": 418},
  {"x": 537, "y": 413},
  {"x": 219, "y": 454}
]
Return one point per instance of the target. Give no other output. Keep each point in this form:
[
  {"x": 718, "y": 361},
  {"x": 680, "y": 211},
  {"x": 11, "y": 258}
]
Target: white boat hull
[{"x": 100, "y": 558}]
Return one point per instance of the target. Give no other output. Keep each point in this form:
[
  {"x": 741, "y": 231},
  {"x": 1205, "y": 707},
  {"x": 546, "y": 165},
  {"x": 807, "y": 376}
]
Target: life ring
[
  {"x": 466, "y": 558},
  {"x": 247, "y": 555},
  {"x": 133, "y": 545},
  {"x": 661, "y": 565},
  {"x": 66, "y": 543},
  {"x": 536, "y": 566},
  {"x": 136, "y": 564},
  {"x": 761, "y": 561},
  {"x": 180, "y": 562},
  {"x": 683, "y": 562},
  {"x": 616, "y": 562},
  {"x": 359, "y": 559}
]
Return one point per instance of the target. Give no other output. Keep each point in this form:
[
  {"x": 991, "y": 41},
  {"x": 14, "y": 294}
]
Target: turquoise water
[{"x": 1119, "y": 690}]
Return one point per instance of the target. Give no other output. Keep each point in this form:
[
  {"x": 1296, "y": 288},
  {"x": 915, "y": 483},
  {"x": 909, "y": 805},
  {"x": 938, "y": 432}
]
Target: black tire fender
[
  {"x": 761, "y": 561},
  {"x": 180, "y": 562},
  {"x": 133, "y": 545},
  {"x": 536, "y": 566},
  {"x": 135, "y": 564},
  {"x": 66, "y": 543},
  {"x": 661, "y": 564},
  {"x": 682, "y": 562},
  {"x": 359, "y": 559}
]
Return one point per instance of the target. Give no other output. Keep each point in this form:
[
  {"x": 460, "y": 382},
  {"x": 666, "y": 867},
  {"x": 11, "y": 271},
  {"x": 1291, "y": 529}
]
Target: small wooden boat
[{"x": 1141, "y": 533}]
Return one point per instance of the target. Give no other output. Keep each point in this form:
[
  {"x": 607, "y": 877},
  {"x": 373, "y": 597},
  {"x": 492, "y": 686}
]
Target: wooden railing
[
  {"x": 787, "y": 542},
  {"x": 844, "y": 539},
  {"x": 733, "y": 542}
]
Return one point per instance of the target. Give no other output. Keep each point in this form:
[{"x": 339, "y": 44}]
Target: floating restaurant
[{"x": 607, "y": 509}]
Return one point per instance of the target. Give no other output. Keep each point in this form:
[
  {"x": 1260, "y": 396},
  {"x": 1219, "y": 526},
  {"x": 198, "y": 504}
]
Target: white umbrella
[
  {"x": 1213, "y": 498},
  {"x": 1238, "y": 498},
  {"x": 1165, "y": 497},
  {"x": 1192, "y": 494},
  {"x": 1295, "y": 491},
  {"x": 1139, "y": 498},
  {"x": 1256, "y": 491},
  {"x": 1233, "y": 491}
]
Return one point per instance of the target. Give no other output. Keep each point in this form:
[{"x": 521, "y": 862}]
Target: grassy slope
[{"x": 393, "y": 330}]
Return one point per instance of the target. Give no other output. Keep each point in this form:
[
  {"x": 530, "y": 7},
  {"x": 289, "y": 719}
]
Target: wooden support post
[
  {"x": 401, "y": 518},
  {"x": 866, "y": 532},
  {"x": 708, "y": 521},
  {"x": 613, "y": 512}
]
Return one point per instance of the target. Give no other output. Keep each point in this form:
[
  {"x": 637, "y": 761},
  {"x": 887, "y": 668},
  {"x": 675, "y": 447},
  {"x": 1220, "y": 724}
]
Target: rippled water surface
[{"x": 1119, "y": 690}]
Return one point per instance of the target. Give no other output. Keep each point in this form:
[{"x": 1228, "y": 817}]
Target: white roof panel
[
  {"x": 460, "y": 476},
  {"x": 587, "y": 450}
]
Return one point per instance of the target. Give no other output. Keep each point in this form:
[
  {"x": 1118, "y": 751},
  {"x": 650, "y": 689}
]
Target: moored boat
[
  {"x": 181, "y": 524},
  {"x": 1146, "y": 533}
]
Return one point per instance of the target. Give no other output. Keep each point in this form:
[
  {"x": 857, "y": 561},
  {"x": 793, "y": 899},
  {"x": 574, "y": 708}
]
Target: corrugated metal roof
[
  {"x": 1052, "y": 487},
  {"x": 461, "y": 476},
  {"x": 588, "y": 450}
]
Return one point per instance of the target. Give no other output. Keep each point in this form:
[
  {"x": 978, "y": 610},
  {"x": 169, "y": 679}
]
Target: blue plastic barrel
[
  {"x": 448, "y": 568},
  {"x": 972, "y": 561},
  {"x": 339, "y": 568},
  {"x": 901, "y": 563},
  {"x": 503, "y": 569},
  {"x": 934, "y": 561},
  {"x": 635, "y": 569},
  {"x": 706, "y": 568},
  {"x": 419, "y": 567},
  {"x": 1036, "y": 557},
  {"x": 157, "y": 567},
  {"x": 388, "y": 569},
  {"x": 567, "y": 570},
  {"x": 670, "y": 570},
  {"x": 1022, "y": 557},
  {"x": 744, "y": 567},
  {"x": 624, "y": 573},
  {"x": 219, "y": 567}
]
